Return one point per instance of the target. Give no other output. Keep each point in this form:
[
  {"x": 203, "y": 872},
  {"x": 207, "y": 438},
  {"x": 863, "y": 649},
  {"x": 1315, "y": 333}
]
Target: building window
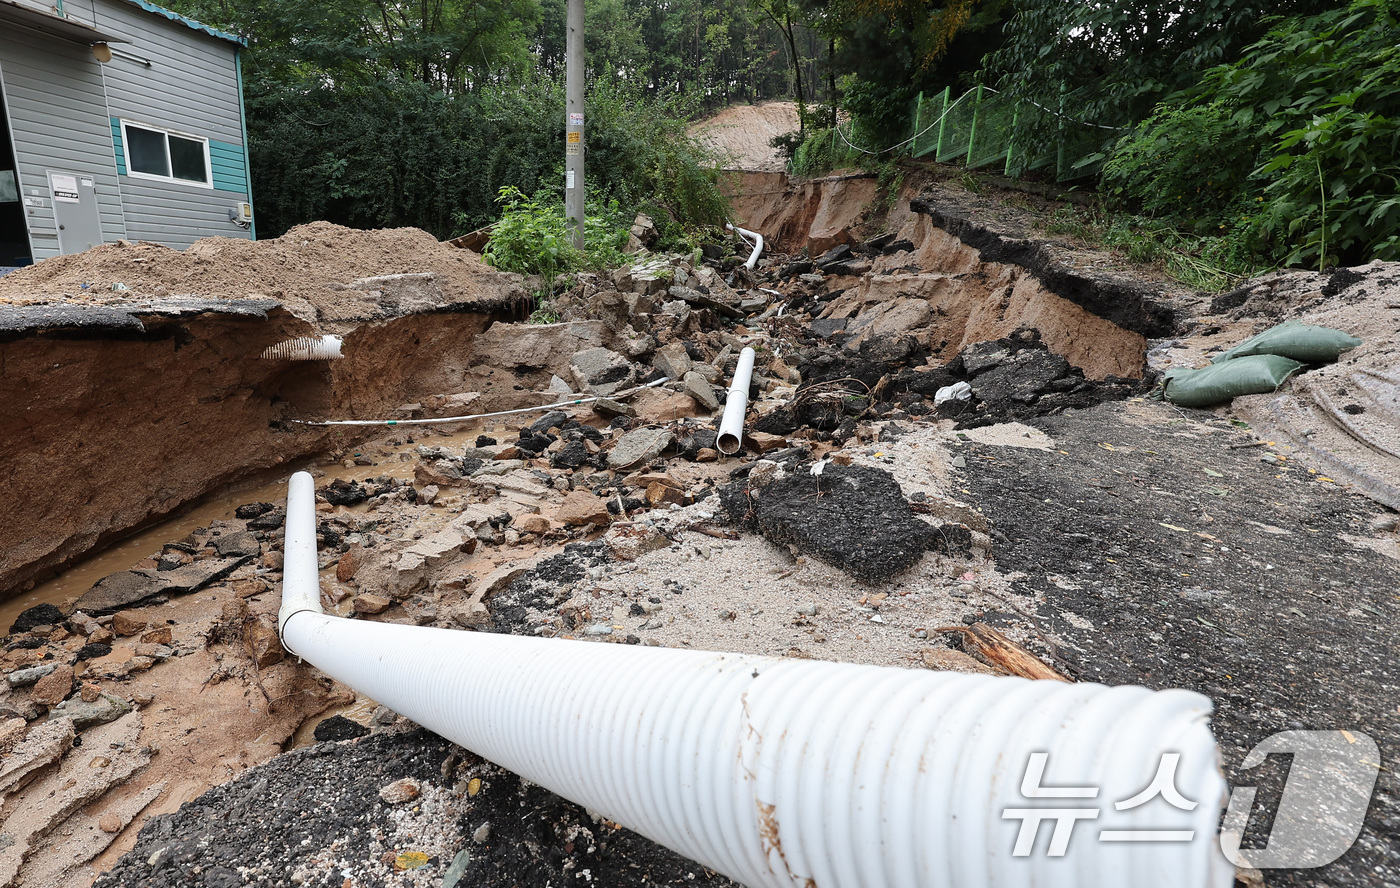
[{"x": 160, "y": 154}]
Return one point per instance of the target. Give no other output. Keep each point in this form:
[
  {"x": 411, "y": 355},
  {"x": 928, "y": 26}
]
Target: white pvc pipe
[
  {"x": 736, "y": 404},
  {"x": 784, "y": 773},
  {"x": 758, "y": 246}
]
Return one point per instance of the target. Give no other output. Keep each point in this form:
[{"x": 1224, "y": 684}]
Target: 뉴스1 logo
[{"x": 1319, "y": 815}]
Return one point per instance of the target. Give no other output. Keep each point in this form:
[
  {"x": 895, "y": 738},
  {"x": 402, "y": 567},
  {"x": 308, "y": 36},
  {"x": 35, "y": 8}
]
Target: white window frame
[{"x": 167, "y": 132}]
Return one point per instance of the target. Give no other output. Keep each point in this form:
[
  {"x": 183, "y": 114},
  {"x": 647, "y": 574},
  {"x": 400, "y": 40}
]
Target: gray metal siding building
[{"x": 118, "y": 119}]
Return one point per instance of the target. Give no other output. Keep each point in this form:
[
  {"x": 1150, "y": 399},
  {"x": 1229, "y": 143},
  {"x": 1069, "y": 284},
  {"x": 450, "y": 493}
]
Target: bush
[
  {"x": 399, "y": 153},
  {"x": 1190, "y": 164},
  {"x": 533, "y": 236},
  {"x": 1290, "y": 153}
]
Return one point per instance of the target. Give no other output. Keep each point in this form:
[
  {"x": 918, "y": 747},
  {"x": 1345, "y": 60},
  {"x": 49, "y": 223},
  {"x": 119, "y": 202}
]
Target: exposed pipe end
[
  {"x": 306, "y": 348},
  {"x": 728, "y": 444}
]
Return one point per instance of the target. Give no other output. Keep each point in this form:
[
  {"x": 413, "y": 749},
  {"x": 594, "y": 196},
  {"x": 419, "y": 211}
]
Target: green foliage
[
  {"x": 1290, "y": 152},
  {"x": 532, "y": 237},
  {"x": 1111, "y": 62},
  {"x": 1187, "y": 163},
  {"x": 1207, "y": 262},
  {"x": 822, "y": 151}
]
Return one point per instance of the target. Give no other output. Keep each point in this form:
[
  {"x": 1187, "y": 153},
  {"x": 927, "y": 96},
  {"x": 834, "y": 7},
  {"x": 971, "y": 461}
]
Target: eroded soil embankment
[
  {"x": 106, "y": 429},
  {"x": 979, "y": 281}
]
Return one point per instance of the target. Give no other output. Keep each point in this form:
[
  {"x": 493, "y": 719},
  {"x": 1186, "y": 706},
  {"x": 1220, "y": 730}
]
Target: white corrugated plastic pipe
[
  {"x": 736, "y": 404},
  {"x": 798, "y": 773},
  {"x": 758, "y": 245}
]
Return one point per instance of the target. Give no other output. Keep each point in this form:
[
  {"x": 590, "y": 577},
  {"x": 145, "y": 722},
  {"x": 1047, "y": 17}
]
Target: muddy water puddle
[{"x": 69, "y": 584}]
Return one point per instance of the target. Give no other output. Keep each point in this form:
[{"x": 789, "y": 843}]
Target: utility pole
[{"x": 573, "y": 137}]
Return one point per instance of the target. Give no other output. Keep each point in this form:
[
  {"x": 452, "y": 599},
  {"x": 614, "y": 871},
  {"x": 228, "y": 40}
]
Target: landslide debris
[{"x": 602, "y": 521}]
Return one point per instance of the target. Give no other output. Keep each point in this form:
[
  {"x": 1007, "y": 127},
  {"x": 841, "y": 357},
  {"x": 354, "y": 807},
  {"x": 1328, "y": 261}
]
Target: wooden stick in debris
[
  {"x": 1000, "y": 651},
  {"x": 715, "y": 532}
]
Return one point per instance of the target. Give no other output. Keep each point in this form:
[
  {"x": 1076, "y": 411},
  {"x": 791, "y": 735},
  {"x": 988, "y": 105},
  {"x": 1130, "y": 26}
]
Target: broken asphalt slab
[
  {"x": 853, "y": 517},
  {"x": 119, "y": 590}
]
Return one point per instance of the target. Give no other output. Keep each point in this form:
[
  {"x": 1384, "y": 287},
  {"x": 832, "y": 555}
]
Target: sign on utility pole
[{"x": 573, "y": 137}]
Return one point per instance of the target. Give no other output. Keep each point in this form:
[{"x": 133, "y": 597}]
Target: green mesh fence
[
  {"x": 991, "y": 137},
  {"x": 955, "y": 130},
  {"x": 979, "y": 126},
  {"x": 928, "y": 116}
]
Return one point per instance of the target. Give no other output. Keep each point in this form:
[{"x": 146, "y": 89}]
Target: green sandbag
[
  {"x": 1292, "y": 339},
  {"x": 1219, "y": 383}
]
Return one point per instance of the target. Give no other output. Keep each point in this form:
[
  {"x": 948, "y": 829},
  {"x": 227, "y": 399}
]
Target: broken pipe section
[
  {"x": 781, "y": 772},
  {"x": 736, "y": 404}
]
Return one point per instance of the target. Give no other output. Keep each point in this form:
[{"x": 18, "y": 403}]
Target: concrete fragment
[
  {"x": 11, "y": 733},
  {"x": 260, "y": 640},
  {"x": 86, "y": 842},
  {"x": 124, "y": 623},
  {"x": 349, "y": 563},
  {"x": 42, "y": 746},
  {"x": 607, "y": 407},
  {"x": 639, "y": 447},
  {"x": 536, "y": 346},
  {"x": 699, "y": 388},
  {"x": 83, "y": 714},
  {"x": 673, "y": 360},
  {"x": 23, "y": 678},
  {"x": 122, "y": 589},
  {"x": 658, "y": 494},
  {"x": 400, "y": 791},
  {"x": 601, "y": 371},
  {"x": 83, "y": 623},
  {"x": 370, "y": 603},
  {"x": 52, "y": 688},
  {"x": 77, "y": 781},
  {"x": 162, "y": 635},
  {"x": 630, "y": 542},
  {"x": 241, "y": 543}
]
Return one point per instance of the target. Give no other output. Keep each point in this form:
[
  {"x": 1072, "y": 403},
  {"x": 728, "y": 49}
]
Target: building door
[
  {"x": 14, "y": 234},
  {"x": 75, "y": 211}
]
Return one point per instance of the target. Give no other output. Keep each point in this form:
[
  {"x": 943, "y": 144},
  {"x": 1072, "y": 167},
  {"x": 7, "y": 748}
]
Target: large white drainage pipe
[
  {"x": 784, "y": 773},
  {"x": 736, "y": 404},
  {"x": 758, "y": 243}
]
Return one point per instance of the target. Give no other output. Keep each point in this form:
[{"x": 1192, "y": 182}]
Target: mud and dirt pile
[{"x": 312, "y": 269}]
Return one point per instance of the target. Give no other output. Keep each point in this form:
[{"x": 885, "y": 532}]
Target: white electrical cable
[
  {"x": 783, "y": 773},
  {"x": 442, "y": 419}
]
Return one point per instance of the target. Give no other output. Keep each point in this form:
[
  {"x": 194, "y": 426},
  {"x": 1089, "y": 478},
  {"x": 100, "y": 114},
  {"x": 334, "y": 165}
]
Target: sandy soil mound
[
  {"x": 311, "y": 262},
  {"x": 741, "y": 133}
]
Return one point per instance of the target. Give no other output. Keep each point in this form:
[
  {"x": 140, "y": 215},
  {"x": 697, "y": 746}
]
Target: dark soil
[
  {"x": 259, "y": 828},
  {"x": 1201, "y": 566}
]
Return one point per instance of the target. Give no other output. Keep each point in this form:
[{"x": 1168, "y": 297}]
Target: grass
[{"x": 1202, "y": 262}]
